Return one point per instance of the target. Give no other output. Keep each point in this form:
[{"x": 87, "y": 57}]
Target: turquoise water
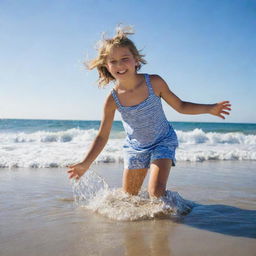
[{"x": 29, "y": 126}]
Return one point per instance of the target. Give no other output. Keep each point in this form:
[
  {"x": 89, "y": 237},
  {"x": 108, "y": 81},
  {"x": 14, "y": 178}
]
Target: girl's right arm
[{"x": 77, "y": 170}]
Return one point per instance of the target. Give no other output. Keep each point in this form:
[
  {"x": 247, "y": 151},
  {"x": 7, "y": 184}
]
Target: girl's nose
[{"x": 120, "y": 63}]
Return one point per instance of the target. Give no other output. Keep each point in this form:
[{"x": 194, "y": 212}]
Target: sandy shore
[{"x": 39, "y": 217}]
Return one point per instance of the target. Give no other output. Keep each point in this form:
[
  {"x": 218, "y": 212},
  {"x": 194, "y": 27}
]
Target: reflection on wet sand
[{"x": 147, "y": 238}]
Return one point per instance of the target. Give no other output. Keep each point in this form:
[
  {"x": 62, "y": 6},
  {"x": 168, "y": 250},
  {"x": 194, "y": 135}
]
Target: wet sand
[{"x": 39, "y": 216}]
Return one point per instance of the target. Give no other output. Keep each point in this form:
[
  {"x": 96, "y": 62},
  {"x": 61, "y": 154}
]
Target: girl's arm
[
  {"x": 77, "y": 170},
  {"x": 218, "y": 109}
]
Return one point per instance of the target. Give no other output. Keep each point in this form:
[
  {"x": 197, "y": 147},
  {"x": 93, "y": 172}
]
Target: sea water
[
  {"x": 92, "y": 192},
  {"x": 58, "y": 143},
  {"x": 40, "y": 200}
]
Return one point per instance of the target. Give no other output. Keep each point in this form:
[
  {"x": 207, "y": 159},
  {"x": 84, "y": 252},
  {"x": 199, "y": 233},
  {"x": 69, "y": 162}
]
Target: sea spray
[
  {"x": 92, "y": 192},
  {"x": 88, "y": 186}
]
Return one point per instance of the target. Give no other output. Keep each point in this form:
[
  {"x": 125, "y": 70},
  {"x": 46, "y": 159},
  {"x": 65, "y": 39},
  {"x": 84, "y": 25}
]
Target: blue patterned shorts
[{"x": 134, "y": 159}]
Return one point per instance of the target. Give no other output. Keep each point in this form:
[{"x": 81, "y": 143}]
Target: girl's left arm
[{"x": 218, "y": 109}]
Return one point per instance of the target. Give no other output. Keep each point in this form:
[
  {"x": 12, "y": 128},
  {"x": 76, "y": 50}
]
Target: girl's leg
[
  {"x": 159, "y": 172},
  {"x": 133, "y": 180}
]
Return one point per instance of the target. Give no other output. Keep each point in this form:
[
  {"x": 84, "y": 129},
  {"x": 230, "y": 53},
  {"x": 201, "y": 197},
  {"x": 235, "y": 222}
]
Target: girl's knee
[{"x": 133, "y": 180}]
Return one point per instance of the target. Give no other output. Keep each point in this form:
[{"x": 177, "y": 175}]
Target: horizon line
[{"x": 98, "y": 120}]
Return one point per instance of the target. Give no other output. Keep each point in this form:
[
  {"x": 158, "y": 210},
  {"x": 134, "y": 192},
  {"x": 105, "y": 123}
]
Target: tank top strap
[
  {"x": 150, "y": 88},
  {"x": 115, "y": 98}
]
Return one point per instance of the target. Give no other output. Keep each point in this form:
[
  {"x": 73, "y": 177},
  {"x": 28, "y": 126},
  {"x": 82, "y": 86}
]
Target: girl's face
[{"x": 121, "y": 62}]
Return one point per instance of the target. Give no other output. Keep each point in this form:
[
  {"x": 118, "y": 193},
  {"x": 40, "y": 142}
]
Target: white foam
[
  {"x": 198, "y": 136},
  {"x": 58, "y": 149},
  {"x": 92, "y": 192}
]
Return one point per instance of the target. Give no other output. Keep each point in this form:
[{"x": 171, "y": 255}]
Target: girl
[{"x": 151, "y": 141}]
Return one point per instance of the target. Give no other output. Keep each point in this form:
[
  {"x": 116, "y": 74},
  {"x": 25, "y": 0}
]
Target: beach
[
  {"x": 209, "y": 207},
  {"x": 175, "y": 79},
  {"x": 40, "y": 217}
]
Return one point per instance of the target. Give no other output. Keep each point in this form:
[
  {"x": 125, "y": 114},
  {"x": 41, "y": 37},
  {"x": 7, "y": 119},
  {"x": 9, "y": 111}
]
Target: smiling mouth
[{"x": 121, "y": 72}]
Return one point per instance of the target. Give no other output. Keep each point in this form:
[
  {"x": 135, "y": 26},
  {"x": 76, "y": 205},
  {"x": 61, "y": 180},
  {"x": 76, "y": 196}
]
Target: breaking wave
[{"x": 42, "y": 149}]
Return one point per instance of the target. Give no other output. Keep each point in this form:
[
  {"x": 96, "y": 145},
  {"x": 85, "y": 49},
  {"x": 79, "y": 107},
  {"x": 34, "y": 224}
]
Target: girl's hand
[
  {"x": 77, "y": 170},
  {"x": 220, "y": 109}
]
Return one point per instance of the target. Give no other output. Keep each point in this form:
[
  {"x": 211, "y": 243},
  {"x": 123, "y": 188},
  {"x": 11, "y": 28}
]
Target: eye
[
  {"x": 125, "y": 59},
  {"x": 113, "y": 61}
]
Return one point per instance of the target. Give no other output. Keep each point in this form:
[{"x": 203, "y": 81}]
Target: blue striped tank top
[{"x": 145, "y": 124}]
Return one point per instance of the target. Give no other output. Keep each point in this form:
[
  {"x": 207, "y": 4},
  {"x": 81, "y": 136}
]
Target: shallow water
[
  {"x": 39, "y": 215},
  {"x": 92, "y": 192}
]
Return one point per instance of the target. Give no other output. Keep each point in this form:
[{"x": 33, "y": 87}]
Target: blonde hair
[{"x": 104, "y": 47}]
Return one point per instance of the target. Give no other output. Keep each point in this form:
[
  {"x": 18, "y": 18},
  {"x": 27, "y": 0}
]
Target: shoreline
[{"x": 40, "y": 217}]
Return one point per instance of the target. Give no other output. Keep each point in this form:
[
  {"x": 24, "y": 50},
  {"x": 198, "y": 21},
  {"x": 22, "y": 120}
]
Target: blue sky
[{"x": 205, "y": 50}]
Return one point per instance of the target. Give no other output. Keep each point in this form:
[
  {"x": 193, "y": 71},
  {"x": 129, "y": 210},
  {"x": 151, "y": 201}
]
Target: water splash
[
  {"x": 88, "y": 187},
  {"x": 93, "y": 193}
]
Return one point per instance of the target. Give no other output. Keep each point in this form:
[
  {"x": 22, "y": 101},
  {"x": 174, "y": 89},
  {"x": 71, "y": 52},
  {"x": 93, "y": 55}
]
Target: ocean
[
  {"x": 58, "y": 143},
  {"x": 210, "y": 194}
]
